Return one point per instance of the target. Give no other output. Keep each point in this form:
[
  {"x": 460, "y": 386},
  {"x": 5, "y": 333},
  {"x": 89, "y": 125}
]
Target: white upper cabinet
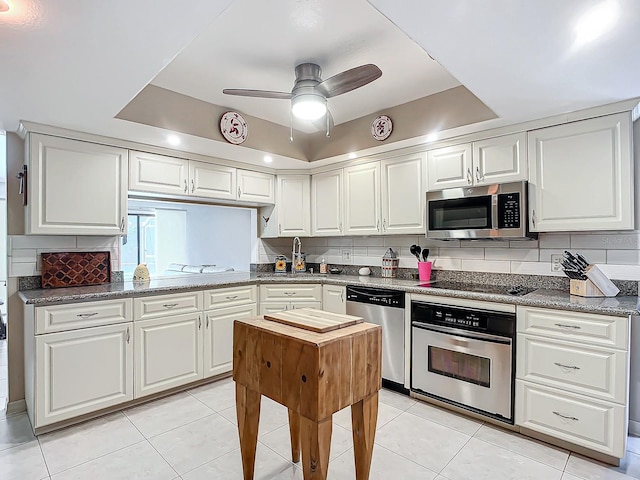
[
  {"x": 293, "y": 205},
  {"x": 362, "y": 199},
  {"x": 494, "y": 160},
  {"x": 212, "y": 181},
  {"x": 158, "y": 173},
  {"x": 581, "y": 175},
  {"x": 449, "y": 167},
  {"x": 500, "y": 159},
  {"x": 75, "y": 187},
  {"x": 177, "y": 176},
  {"x": 256, "y": 186},
  {"x": 327, "y": 203},
  {"x": 403, "y": 195}
]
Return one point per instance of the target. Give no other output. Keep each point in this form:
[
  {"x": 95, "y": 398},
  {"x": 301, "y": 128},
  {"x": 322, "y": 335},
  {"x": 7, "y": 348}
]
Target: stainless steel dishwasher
[{"x": 385, "y": 308}]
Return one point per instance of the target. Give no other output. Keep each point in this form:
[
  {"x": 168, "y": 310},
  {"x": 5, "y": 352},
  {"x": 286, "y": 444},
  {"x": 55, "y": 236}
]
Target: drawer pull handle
[
  {"x": 565, "y": 326},
  {"x": 199, "y": 323},
  {"x": 128, "y": 335},
  {"x": 169, "y": 305},
  {"x": 288, "y": 294},
  {"x": 231, "y": 297},
  {"x": 207, "y": 321},
  {"x": 566, "y": 417},
  {"x": 86, "y": 315},
  {"x": 566, "y": 367}
]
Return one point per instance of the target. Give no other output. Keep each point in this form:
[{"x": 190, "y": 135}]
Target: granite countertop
[{"x": 620, "y": 305}]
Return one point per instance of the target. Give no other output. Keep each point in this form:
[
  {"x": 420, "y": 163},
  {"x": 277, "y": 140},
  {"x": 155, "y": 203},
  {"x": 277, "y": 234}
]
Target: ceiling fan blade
[
  {"x": 242, "y": 92},
  {"x": 349, "y": 80}
]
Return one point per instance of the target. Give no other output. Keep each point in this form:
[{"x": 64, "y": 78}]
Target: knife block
[
  {"x": 596, "y": 285},
  {"x": 584, "y": 288}
]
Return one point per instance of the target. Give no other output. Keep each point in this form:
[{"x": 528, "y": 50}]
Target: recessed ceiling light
[
  {"x": 352, "y": 156},
  {"x": 4, "y": 5},
  {"x": 268, "y": 158},
  {"x": 173, "y": 140},
  {"x": 432, "y": 137},
  {"x": 596, "y": 21}
]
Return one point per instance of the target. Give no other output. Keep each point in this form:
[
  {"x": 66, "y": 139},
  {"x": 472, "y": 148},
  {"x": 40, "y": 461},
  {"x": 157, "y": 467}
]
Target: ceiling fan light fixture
[
  {"x": 4, "y": 6},
  {"x": 308, "y": 106}
]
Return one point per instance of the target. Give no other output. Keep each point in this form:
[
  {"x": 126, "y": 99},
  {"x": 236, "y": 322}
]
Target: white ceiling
[{"x": 77, "y": 64}]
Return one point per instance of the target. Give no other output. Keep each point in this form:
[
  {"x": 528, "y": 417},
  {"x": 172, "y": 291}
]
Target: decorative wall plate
[
  {"x": 233, "y": 127},
  {"x": 381, "y": 127}
]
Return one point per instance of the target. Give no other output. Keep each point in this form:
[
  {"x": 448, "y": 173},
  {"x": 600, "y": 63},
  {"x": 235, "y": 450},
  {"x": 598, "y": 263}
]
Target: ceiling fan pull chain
[
  {"x": 290, "y": 126},
  {"x": 326, "y": 116}
]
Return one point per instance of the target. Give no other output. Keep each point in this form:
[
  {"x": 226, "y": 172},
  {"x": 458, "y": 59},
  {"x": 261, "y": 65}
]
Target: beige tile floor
[{"x": 192, "y": 436}]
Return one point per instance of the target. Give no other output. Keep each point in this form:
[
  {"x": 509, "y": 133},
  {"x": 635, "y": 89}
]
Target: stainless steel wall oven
[{"x": 465, "y": 357}]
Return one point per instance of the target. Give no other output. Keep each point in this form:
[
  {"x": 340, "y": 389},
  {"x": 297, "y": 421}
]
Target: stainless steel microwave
[{"x": 488, "y": 211}]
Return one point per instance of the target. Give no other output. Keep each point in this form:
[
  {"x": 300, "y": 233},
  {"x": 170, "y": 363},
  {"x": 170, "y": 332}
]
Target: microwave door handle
[{"x": 494, "y": 212}]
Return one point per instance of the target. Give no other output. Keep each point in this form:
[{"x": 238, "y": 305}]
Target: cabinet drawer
[
  {"x": 597, "y": 372},
  {"x": 161, "y": 305},
  {"x": 594, "y": 424},
  {"x": 58, "y": 318},
  {"x": 602, "y": 330},
  {"x": 279, "y": 293},
  {"x": 229, "y": 297}
]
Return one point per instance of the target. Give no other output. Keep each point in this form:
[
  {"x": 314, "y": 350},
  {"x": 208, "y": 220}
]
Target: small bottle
[{"x": 323, "y": 266}]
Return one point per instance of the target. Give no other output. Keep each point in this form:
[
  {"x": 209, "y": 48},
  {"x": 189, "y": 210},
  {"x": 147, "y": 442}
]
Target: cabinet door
[
  {"x": 256, "y": 186},
  {"x": 500, "y": 160},
  {"x": 449, "y": 167},
  {"x": 82, "y": 371},
  {"x": 218, "y": 337},
  {"x": 212, "y": 181},
  {"x": 76, "y": 188},
  {"x": 327, "y": 203},
  {"x": 293, "y": 205},
  {"x": 272, "y": 307},
  {"x": 580, "y": 176},
  {"x": 333, "y": 299},
  {"x": 168, "y": 353},
  {"x": 158, "y": 173},
  {"x": 362, "y": 199},
  {"x": 403, "y": 196}
]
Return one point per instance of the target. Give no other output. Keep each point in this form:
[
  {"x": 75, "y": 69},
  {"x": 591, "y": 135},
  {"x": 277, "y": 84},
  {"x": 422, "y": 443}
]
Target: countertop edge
[{"x": 540, "y": 298}]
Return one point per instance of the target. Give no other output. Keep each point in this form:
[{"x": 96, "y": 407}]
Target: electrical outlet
[
  {"x": 556, "y": 263},
  {"x": 346, "y": 255}
]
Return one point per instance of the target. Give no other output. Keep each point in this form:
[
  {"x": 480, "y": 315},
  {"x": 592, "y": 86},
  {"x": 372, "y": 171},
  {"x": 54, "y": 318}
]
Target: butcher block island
[{"x": 315, "y": 363}]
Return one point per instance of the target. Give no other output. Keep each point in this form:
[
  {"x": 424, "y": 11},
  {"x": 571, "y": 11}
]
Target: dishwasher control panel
[{"x": 385, "y": 298}]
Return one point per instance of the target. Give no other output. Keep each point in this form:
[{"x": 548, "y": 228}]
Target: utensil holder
[
  {"x": 596, "y": 285},
  {"x": 424, "y": 270}
]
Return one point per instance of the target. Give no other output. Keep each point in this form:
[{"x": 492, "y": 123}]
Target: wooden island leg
[
  {"x": 316, "y": 444},
  {"x": 248, "y": 410},
  {"x": 294, "y": 431},
  {"x": 364, "y": 417}
]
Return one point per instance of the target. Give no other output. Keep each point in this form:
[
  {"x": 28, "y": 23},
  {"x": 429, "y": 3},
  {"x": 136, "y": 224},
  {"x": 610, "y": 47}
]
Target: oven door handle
[{"x": 487, "y": 337}]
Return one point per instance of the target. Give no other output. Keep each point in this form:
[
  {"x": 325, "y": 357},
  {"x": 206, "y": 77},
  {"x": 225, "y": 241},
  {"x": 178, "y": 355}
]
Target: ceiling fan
[{"x": 310, "y": 93}]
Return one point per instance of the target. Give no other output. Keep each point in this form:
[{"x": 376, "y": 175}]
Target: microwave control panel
[{"x": 509, "y": 210}]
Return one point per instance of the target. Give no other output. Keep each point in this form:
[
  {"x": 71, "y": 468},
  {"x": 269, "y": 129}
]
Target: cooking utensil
[
  {"x": 425, "y": 254},
  {"x": 415, "y": 251},
  {"x": 582, "y": 260}
]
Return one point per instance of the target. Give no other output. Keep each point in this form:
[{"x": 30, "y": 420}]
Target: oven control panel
[
  {"x": 463, "y": 319},
  {"x": 509, "y": 210}
]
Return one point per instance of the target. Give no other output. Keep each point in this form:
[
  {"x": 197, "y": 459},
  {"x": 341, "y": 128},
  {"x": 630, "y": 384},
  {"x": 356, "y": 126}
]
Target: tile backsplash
[
  {"x": 616, "y": 253},
  {"x": 24, "y": 250}
]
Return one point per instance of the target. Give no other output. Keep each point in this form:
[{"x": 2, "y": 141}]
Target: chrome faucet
[{"x": 296, "y": 255}]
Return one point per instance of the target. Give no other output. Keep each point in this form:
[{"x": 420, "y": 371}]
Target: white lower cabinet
[
  {"x": 168, "y": 352},
  {"x": 218, "y": 337},
  {"x": 81, "y": 371},
  {"x": 334, "y": 299},
  {"x": 572, "y": 377},
  {"x": 278, "y": 297}
]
